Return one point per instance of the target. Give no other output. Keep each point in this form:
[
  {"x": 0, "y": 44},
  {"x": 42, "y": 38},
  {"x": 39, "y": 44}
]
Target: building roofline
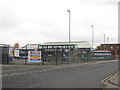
[{"x": 110, "y": 44}]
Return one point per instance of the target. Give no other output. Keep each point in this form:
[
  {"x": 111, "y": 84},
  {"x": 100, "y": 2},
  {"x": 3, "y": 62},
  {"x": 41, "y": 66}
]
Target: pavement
[{"x": 85, "y": 75}]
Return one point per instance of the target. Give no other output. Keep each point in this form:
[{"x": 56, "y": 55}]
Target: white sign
[{"x": 16, "y": 53}]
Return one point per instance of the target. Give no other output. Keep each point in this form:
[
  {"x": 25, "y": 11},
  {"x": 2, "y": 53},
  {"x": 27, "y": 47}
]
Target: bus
[
  {"x": 103, "y": 54},
  {"x": 58, "y": 51}
]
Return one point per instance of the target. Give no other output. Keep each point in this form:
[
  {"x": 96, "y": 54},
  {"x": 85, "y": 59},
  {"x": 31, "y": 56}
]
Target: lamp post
[
  {"x": 92, "y": 41},
  {"x": 69, "y": 33},
  {"x": 104, "y": 40},
  {"x": 104, "y": 44},
  {"x": 107, "y": 40}
]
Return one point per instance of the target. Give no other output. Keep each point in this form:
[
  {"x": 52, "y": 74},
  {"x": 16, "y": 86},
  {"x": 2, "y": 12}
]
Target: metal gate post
[
  {"x": 56, "y": 56},
  {"x": 26, "y": 57}
]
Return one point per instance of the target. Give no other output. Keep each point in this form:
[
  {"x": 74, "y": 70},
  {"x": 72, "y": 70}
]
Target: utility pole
[
  {"x": 92, "y": 42},
  {"x": 69, "y": 33},
  {"x": 107, "y": 42},
  {"x": 104, "y": 44},
  {"x": 104, "y": 40}
]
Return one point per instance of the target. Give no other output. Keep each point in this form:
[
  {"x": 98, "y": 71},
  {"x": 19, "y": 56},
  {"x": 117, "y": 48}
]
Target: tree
[
  {"x": 97, "y": 48},
  {"x": 16, "y": 45}
]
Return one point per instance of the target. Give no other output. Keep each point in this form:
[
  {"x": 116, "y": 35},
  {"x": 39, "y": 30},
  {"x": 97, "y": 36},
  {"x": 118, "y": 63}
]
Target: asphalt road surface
[{"x": 82, "y": 76}]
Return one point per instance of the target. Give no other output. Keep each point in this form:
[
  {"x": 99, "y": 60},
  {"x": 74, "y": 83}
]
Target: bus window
[
  {"x": 71, "y": 47},
  {"x": 49, "y": 47},
  {"x": 59, "y": 47},
  {"x": 55, "y": 47},
  {"x": 67, "y": 47},
  {"x": 40, "y": 47},
  {"x": 63, "y": 47},
  {"x": 44, "y": 47}
]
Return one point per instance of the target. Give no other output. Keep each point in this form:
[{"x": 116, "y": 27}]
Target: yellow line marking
[
  {"x": 106, "y": 78},
  {"x": 105, "y": 81}
]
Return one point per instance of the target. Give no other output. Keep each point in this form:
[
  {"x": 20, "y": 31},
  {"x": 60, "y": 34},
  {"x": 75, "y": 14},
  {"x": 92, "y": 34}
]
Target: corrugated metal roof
[
  {"x": 32, "y": 46},
  {"x": 81, "y": 44}
]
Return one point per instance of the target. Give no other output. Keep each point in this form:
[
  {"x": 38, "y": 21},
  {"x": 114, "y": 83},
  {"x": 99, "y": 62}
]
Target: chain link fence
[
  {"x": 61, "y": 56},
  {"x": 52, "y": 56}
]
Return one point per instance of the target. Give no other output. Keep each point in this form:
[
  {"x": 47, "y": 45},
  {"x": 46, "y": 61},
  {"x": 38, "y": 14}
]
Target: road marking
[
  {"x": 17, "y": 74},
  {"x": 11, "y": 75},
  {"x": 31, "y": 72},
  {"x": 105, "y": 81},
  {"x": 44, "y": 70},
  {"x": 36, "y": 71}
]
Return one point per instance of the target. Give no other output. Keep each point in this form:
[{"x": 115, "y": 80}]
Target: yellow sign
[{"x": 11, "y": 54}]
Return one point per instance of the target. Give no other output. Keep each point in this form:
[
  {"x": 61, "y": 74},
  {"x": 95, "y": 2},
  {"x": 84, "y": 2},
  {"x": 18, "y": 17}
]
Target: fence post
[
  {"x": 56, "y": 56},
  {"x": 77, "y": 56},
  {"x": 8, "y": 53},
  {"x": 62, "y": 56},
  {"x": 26, "y": 57}
]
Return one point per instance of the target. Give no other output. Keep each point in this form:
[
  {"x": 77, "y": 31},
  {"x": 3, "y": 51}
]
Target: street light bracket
[
  {"x": 91, "y": 25},
  {"x": 68, "y": 10}
]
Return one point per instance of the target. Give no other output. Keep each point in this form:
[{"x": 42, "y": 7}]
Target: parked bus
[
  {"x": 103, "y": 54},
  {"x": 50, "y": 52}
]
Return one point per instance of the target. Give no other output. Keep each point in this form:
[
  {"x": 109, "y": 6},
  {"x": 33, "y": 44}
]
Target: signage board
[
  {"x": 16, "y": 53},
  {"x": 34, "y": 56},
  {"x": 10, "y": 52},
  {"x": 76, "y": 46}
]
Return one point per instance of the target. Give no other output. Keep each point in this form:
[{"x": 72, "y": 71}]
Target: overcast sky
[{"x": 37, "y": 21}]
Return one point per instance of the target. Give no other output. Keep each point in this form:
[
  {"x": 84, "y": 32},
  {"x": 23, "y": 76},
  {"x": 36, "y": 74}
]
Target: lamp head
[{"x": 68, "y": 10}]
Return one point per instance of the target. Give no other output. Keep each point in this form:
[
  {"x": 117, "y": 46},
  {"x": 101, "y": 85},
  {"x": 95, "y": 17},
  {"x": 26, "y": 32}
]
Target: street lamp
[
  {"x": 69, "y": 34},
  {"x": 104, "y": 44},
  {"x": 92, "y": 36},
  {"x": 107, "y": 43},
  {"x": 92, "y": 41},
  {"x": 104, "y": 40},
  {"x": 107, "y": 40}
]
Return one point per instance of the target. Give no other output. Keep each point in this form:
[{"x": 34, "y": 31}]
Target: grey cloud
[
  {"x": 112, "y": 2},
  {"x": 101, "y": 2},
  {"x": 8, "y": 18}
]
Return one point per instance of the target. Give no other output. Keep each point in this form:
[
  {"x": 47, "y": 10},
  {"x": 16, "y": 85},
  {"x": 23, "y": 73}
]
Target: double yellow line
[{"x": 105, "y": 81}]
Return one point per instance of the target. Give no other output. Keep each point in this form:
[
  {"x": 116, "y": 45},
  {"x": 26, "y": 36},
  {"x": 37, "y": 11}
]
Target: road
[{"x": 81, "y": 76}]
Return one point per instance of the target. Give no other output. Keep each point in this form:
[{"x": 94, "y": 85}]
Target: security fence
[
  {"x": 60, "y": 56},
  {"x": 53, "y": 55}
]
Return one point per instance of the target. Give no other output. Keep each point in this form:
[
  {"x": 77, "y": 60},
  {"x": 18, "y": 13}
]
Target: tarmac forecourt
[{"x": 43, "y": 67}]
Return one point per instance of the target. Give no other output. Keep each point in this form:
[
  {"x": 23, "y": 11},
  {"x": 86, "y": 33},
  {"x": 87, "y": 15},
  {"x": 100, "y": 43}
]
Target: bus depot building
[
  {"x": 60, "y": 53},
  {"x": 113, "y": 48}
]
